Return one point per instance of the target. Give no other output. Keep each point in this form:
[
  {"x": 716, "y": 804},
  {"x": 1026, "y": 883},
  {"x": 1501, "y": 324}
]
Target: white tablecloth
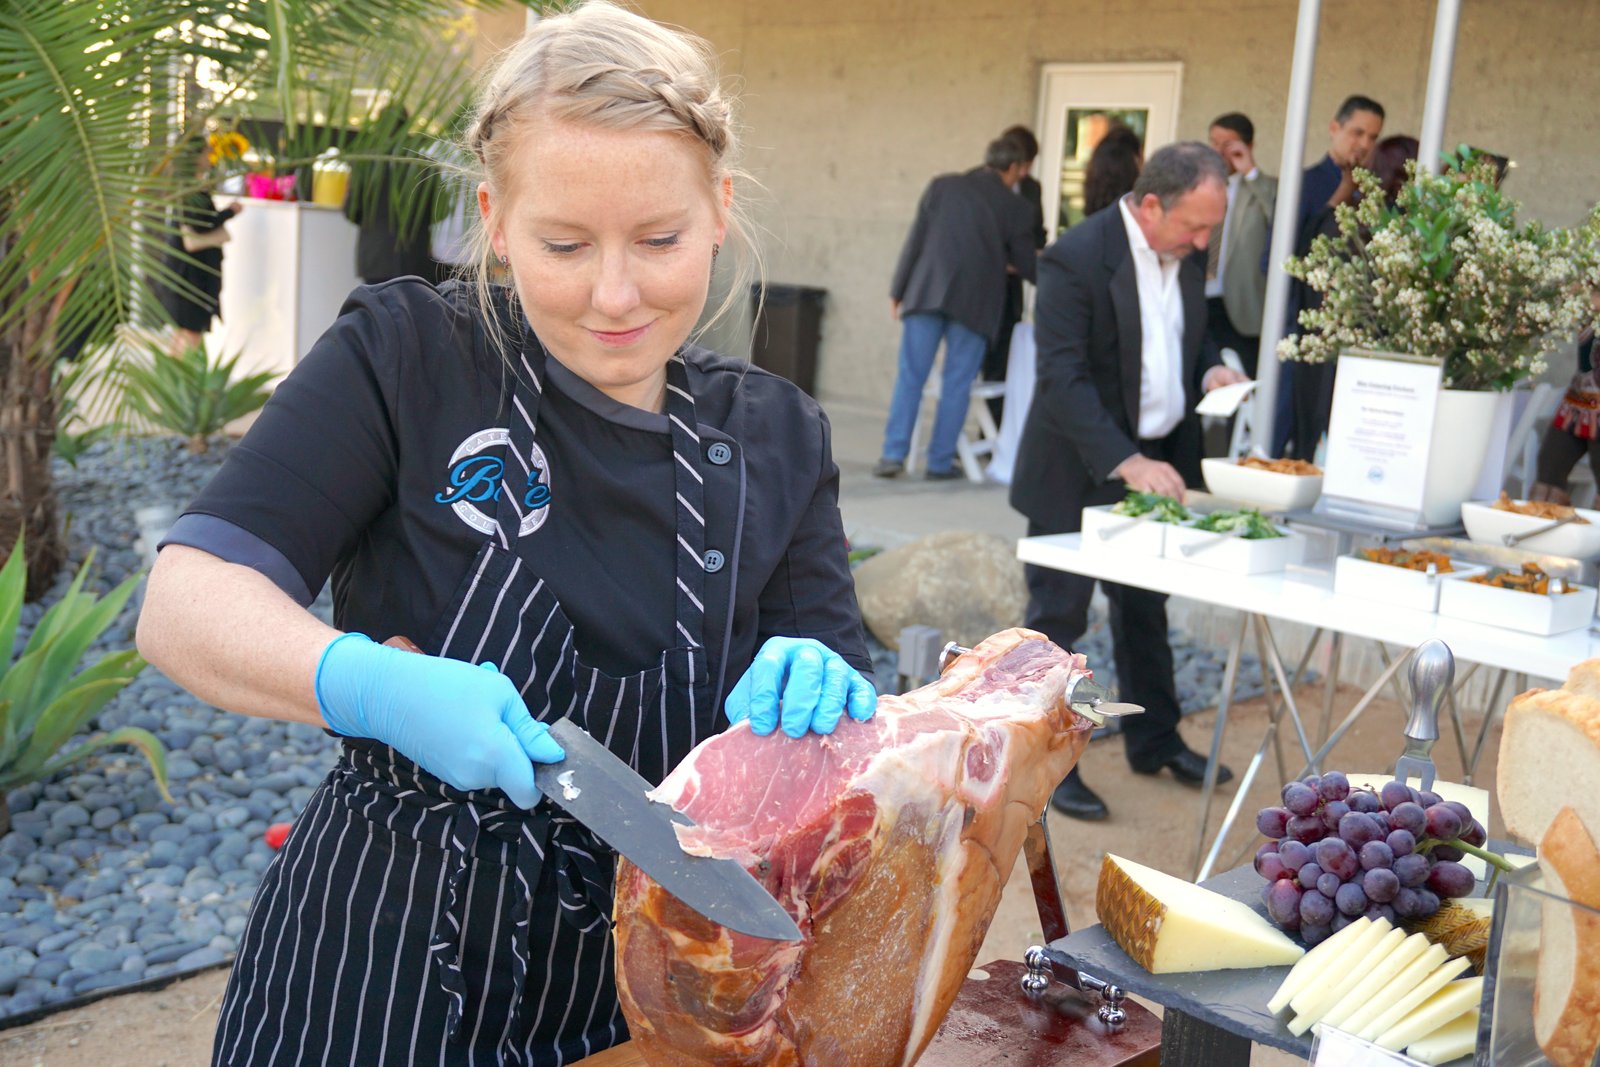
[{"x": 1019, "y": 395}]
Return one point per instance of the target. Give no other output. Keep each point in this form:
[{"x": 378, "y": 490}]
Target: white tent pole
[
  {"x": 1440, "y": 66},
  {"x": 1290, "y": 170}
]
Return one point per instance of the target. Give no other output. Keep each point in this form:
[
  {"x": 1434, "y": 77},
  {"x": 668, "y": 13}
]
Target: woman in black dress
[
  {"x": 192, "y": 294},
  {"x": 574, "y": 511}
]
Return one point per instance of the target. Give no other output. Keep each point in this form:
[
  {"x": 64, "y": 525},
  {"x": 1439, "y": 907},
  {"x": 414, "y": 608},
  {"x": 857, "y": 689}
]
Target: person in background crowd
[
  {"x": 950, "y": 285},
  {"x": 191, "y": 294},
  {"x": 1113, "y": 409},
  {"x": 1112, "y": 169},
  {"x": 1313, "y": 401},
  {"x": 1575, "y": 428},
  {"x": 576, "y": 510},
  {"x": 1236, "y": 286},
  {"x": 1027, "y": 187},
  {"x": 1353, "y": 133},
  {"x": 394, "y": 229}
]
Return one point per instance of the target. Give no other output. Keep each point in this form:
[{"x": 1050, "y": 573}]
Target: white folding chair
[{"x": 970, "y": 450}]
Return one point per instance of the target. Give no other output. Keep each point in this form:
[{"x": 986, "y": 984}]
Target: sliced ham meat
[{"x": 887, "y": 842}]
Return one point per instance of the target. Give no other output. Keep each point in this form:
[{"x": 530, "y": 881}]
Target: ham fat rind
[{"x": 888, "y": 842}]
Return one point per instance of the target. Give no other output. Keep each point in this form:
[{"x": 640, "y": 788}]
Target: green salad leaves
[
  {"x": 1159, "y": 508},
  {"x": 1246, "y": 523}
]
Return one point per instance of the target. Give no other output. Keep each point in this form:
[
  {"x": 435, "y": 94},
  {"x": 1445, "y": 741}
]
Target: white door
[{"x": 1078, "y": 102}]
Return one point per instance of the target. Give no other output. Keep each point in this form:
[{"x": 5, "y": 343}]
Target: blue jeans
[{"x": 920, "y": 333}]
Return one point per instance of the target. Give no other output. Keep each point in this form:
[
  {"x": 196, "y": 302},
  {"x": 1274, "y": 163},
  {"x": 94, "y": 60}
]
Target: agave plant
[
  {"x": 191, "y": 395},
  {"x": 45, "y": 698}
]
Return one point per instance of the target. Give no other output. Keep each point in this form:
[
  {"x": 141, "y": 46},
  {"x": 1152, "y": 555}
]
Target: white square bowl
[
  {"x": 1234, "y": 554},
  {"x": 1514, "y": 610},
  {"x": 1400, "y": 586},
  {"x": 1488, "y": 525},
  {"x": 1267, "y": 490},
  {"x": 1104, "y": 531}
]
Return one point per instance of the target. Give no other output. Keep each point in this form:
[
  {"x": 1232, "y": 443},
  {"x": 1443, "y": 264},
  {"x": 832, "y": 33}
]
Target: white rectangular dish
[
  {"x": 1234, "y": 554},
  {"x": 1516, "y": 610},
  {"x": 1265, "y": 489},
  {"x": 1404, "y": 588},
  {"x": 1104, "y": 531}
]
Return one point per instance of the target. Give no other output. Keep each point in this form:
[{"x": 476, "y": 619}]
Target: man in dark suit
[
  {"x": 950, "y": 285},
  {"x": 1123, "y": 357},
  {"x": 1352, "y": 135},
  {"x": 1027, "y": 187}
]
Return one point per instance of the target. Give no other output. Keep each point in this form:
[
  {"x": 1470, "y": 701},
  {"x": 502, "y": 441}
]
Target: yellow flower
[{"x": 229, "y": 144}]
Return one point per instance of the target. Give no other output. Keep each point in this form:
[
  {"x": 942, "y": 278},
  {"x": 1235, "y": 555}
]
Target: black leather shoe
[
  {"x": 945, "y": 476},
  {"x": 1189, "y": 767},
  {"x": 889, "y": 468},
  {"x": 1077, "y": 801}
]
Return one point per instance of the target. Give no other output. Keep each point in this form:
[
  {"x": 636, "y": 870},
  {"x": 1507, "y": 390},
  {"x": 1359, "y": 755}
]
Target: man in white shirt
[
  {"x": 1123, "y": 358},
  {"x": 1236, "y": 284}
]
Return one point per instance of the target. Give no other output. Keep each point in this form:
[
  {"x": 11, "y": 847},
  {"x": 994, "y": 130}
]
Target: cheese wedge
[
  {"x": 1453, "y": 1040},
  {"x": 1441, "y": 1008},
  {"x": 1461, "y": 926},
  {"x": 1169, "y": 926},
  {"x": 1426, "y": 988},
  {"x": 1389, "y": 968},
  {"x": 1313, "y": 1004},
  {"x": 1315, "y": 963},
  {"x": 1402, "y": 984}
]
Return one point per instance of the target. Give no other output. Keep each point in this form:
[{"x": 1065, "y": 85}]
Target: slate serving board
[{"x": 1235, "y": 1001}]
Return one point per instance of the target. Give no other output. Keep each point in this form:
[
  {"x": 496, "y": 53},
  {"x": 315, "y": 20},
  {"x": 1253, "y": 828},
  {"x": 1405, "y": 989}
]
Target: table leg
[
  {"x": 1355, "y": 713},
  {"x": 1230, "y": 678},
  {"x": 1453, "y": 710},
  {"x": 1490, "y": 714},
  {"x": 1330, "y": 685},
  {"x": 1305, "y": 657},
  {"x": 1288, "y": 697},
  {"x": 1189, "y": 1042},
  {"x": 1237, "y": 802},
  {"x": 1274, "y": 707},
  {"x": 1399, "y": 690}
]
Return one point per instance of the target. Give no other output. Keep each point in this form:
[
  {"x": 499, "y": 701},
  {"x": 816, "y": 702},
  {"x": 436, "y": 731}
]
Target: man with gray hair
[
  {"x": 950, "y": 285},
  {"x": 1120, "y": 322}
]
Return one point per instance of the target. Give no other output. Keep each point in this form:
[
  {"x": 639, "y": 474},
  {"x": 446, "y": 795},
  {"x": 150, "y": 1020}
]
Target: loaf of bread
[
  {"x": 1566, "y": 994},
  {"x": 1550, "y": 756}
]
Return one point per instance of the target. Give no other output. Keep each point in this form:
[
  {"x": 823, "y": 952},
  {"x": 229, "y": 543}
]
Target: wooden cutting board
[{"x": 994, "y": 1024}]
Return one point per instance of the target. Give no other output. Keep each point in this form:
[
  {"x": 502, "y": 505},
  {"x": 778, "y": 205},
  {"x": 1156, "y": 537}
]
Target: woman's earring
[
  {"x": 714, "y": 250},
  {"x": 505, "y": 261}
]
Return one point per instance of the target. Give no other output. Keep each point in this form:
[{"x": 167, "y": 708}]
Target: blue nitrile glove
[
  {"x": 464, "y": 724},
  {"x": 816, "y": 685}
]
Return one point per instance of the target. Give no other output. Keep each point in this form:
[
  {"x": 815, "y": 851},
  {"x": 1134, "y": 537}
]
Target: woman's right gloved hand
[{"x": 466, "y": 725}]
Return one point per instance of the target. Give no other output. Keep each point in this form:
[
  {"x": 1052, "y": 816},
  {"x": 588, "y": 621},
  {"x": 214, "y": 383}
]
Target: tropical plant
[
  {"x": 1447, "y": 272},
  {"x": 190, "y": 395},
  {"x": 97, "y": 100},
  {"x": 45, "y": 699}
]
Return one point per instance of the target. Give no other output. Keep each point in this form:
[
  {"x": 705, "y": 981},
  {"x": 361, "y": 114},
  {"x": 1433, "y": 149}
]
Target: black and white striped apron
[{"x": 409, "y": 922}]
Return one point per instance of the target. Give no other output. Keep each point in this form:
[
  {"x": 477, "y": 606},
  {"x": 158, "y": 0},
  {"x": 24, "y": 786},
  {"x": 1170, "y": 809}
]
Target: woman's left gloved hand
[{"x": 801, "y": 684}]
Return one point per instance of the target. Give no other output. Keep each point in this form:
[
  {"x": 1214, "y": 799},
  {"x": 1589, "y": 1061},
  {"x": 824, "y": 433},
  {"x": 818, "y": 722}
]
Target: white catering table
[{"x": 1304, "y": 594}]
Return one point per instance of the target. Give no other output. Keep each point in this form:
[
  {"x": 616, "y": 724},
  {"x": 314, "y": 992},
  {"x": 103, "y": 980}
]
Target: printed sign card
[{"x": 1379, "y": 437}]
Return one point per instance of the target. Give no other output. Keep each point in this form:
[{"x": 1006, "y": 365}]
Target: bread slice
[
  {"x": 1552, "y": 735},
  {"x": 1566, "y": 993}
]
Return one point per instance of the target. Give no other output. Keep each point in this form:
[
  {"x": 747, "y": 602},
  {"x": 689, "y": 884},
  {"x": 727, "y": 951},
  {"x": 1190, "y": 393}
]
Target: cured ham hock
[{"x": 888, "y": 842}]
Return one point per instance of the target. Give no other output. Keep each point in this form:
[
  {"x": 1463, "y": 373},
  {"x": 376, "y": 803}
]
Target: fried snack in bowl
[
  {"x": 1298, "y": 467},
  {"x": 1411, "y": 561},
  {"x": 1489, "y": 523}
]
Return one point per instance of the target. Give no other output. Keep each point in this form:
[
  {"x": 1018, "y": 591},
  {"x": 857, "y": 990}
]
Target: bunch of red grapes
[{"x": 1338, "y": 853}]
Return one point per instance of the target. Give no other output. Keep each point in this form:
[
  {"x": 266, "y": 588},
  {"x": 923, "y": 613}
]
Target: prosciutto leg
[{"x": 888, "y": 842}]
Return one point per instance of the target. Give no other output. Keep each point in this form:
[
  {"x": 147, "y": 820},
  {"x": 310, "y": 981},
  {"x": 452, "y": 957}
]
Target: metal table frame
[{"x": 1304, "y": 594}]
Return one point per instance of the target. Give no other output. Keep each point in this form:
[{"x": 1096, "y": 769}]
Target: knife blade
[{"x": 606, "y": 795}]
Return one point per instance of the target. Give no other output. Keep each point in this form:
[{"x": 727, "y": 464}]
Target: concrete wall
[{"x": 850, "y": 107}]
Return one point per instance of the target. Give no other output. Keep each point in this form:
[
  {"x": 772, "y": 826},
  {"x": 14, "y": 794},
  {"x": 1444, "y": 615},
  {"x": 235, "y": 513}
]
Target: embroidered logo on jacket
[{"x": 478, "y": 477}]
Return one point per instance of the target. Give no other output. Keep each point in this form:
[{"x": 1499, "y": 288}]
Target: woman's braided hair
[{"x": 603, "y": 65}]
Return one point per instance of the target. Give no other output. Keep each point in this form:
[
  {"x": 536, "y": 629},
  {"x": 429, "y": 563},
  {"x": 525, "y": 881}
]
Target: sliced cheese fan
[{"x": 1168, "y": 925}]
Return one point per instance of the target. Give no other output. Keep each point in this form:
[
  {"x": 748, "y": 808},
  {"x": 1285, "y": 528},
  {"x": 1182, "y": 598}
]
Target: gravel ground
[{"x": 102, "y": 883}]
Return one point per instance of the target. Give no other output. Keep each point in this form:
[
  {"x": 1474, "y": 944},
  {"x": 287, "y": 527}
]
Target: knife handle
[
  {"x": 1433, "y": 671},
  {"x": 403, "y": 643}
]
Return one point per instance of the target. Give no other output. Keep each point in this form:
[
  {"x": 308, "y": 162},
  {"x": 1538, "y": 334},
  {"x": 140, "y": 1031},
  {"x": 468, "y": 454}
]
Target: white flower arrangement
[{"x": 1447, "y": 273}]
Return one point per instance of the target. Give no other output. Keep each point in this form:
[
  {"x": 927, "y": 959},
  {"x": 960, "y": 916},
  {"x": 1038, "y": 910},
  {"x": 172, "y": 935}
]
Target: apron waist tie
[{"x": 544, "y": 837}]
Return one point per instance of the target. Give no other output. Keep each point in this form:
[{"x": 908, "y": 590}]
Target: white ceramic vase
[{"x": 1467, "y": 425}]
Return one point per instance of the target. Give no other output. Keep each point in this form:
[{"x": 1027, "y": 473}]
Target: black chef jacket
[{"x": 362, "y": 467}]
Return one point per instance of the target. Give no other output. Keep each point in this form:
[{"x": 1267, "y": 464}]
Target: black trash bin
[{"x": 787, "y": 328}]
